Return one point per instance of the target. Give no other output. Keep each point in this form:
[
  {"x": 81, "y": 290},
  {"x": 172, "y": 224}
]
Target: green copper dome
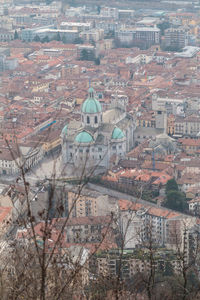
[
  {"x": 91, "y": 105},
  {"x": 64, "y": 130},
  {"x": 84, "y": 137},
  {"x": 117, "y": 134}
]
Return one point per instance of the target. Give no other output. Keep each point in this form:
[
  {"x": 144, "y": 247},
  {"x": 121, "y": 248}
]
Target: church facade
[{"x": 100, "y": 136}]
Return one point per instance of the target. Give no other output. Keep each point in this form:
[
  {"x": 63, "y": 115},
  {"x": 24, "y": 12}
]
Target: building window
[
  {"x": 88, "y": 120},
  {"x": 95, "y": 120},
  {"x": 114, "y": 147},
  {"x": 99, "y": 149}
]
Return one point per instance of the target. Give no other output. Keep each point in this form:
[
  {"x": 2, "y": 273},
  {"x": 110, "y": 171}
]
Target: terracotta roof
[{"x": 4, "y": 212}]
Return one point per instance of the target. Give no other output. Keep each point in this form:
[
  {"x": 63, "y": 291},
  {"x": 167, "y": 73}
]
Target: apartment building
[
  {"x": 189, "y": 126},
  {"x": 146, "y": 36},
  {"x": 86, "y": 229},
  {"x": 90, "y": 203},
  {"x": 175, "y": 38}
]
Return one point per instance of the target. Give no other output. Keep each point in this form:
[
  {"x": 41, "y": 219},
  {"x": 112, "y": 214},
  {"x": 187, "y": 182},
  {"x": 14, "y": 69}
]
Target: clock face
[{"x": 180, "y": 110}]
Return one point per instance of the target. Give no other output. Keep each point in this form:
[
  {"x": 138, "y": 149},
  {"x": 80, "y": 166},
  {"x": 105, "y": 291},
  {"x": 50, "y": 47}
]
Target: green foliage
[
  {"x": 162, "y": 26},
  {"x": 36, "y": 38},
  {"x": 64, "y": 40},
  {"x": 98, "y": 9},
  {"x": 97, "y": 61},
  {"x": 57, "y": 37},
  {"x": 171, "y": 185},
  {"x": 45, "y": 39},
  {"x": 16, "y": 36},
  {"x": 176, "y": 200},
  {"x": 78, "y": 40},
  {"x": 86, "y": 55}
]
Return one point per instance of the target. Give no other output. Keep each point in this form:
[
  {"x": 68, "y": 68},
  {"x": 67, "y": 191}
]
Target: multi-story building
[
  {"x": 93, "y": 35},
  {"x": 109, "y": 12},
  {"x": 6, "y": 35},
  {"x": 76, "y": 26},
  {"x": 141, "y": 36},
  {"x": 188, "y": 126},
  {"x": 128, "y": 263},
  {"x": 140, "y": 224},
  {"x": 85, "y": 229},
  {"x": 176, "y": 38},
  {"x": 90, "y": 203}
]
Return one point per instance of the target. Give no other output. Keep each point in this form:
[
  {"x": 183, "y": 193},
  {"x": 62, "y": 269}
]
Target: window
[
  {"x": 81, "y": 150},
  {"x": 87, "y": 150},
  {"x": 88, "y": 120},
  {"x": 95, "y": 120},
  {"x": 114, "y": 147},
  {"x": 99, "y": 149}
]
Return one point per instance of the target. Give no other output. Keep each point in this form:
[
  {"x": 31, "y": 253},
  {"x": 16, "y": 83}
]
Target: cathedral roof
[
  {"x": 117, "y": 133},
  {"x": 91, "y": 105},
  {"x": 64, "y": 130},
  {"x": 84, "y": 137}
]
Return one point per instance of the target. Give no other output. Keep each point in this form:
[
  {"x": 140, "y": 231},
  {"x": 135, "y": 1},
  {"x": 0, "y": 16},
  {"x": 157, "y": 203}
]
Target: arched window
[
  {"x": 88, "y": 120},
  {"x": 95, "y": 120}
]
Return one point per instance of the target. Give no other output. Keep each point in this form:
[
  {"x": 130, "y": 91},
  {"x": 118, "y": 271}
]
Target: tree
[
  {"x": 176, "y": 200},
  {"x": 97, "y": 61},
  {"x": 36, "y": 38},
  {"x": 98, "y": 9},
  {"x": 78, "y": 40},
  {"x": 162, "y": 26},
  {"x": 58, "y": 37},
  {"x": 45, "y": 39},
  {"x": 16, "y": 36},
  {"x": 64, "y": 40},
  {"x": 84, "y": 55},
  {"x": 171, "y": 185}
]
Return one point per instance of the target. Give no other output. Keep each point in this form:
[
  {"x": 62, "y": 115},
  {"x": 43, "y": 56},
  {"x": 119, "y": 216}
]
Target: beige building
[
  {"x": 189, "y": 125},
  {"x": 90, "y": 203}
]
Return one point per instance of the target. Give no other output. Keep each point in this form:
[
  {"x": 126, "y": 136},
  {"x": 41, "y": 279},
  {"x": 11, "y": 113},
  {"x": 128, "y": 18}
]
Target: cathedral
[{"x": 100, "y": 137}]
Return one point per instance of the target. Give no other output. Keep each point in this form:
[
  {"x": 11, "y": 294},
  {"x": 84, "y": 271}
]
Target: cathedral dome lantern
[{"x": 91, "y": 110}]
